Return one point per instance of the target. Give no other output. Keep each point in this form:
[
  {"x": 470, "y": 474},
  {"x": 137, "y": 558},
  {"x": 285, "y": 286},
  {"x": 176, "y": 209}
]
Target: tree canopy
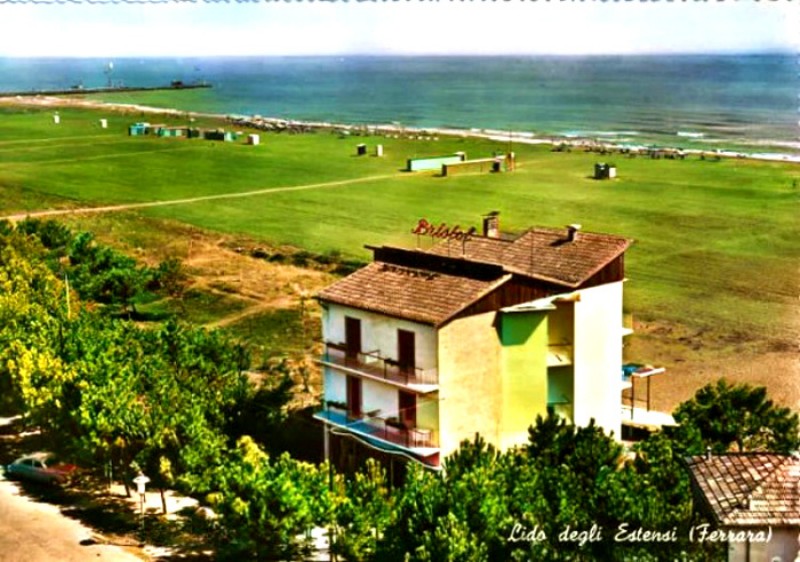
[{"x": 736, "y": 417}]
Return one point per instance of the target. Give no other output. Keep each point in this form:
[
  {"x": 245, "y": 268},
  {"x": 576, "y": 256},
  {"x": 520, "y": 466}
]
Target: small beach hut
[
  {"x": 138, "y": 129},
  {"x": 603, "y": 171},
  {"x": 253, "y": 139},
  {"x": 104, "y": 123},
  {"x": 214, "y": 134},
  {"x": 56, "y": 119},
  {"x": 361, "y": 149},
  {"x": 379, "y": 150}
]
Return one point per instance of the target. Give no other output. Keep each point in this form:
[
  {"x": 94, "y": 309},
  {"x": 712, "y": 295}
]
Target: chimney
[
  {"x": 708, "y": 453},
  {"x": 572, "y": 232},
  {"x": 491, "y": 225}
]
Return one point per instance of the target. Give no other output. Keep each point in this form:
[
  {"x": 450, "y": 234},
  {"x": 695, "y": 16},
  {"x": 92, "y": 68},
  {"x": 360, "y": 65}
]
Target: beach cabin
[
  {"x": 253, "y": 140},
  {"x": 214, "y": 134},
  {"x": 173, "y": 132},
  {"x": 434, "y": 162},
  {"x": 138, "y": 129},
  {"x": 603, "y": 171},
  {"x": 498, "y": 163}
]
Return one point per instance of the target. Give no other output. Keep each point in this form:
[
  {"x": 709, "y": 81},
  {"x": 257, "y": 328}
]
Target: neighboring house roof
[
  {"x": 405, "y": 292},
  {"x": 749, "y": 489}
]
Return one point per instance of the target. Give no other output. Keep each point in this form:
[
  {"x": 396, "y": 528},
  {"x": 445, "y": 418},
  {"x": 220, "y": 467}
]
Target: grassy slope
[{"x": 716, "y": 241}]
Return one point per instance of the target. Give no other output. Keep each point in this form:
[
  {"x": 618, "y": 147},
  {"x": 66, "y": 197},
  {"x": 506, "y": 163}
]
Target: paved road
[{"x": 38, "y": 532}]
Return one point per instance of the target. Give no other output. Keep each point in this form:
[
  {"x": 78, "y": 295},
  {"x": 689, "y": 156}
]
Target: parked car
[{"x": 41, "y": 467}]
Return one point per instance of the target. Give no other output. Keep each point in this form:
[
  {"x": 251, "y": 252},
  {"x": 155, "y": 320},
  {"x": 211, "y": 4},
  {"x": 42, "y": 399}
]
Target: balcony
[
  {"x": 372, "y": 365},
  {"x": 386, "y": 430},
  {"x": 560, "y": 354}
]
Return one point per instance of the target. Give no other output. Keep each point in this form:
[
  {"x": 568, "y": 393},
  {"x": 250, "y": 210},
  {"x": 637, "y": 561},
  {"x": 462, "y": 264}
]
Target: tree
[
  {"x": 363, "y": 513},
  {"x": 735, "y": 417},
  {"x": 458, "y": 514},
  {"x": 267, "y": 508},
  {"x": 574, "y": 473},
  {"x": 260, "y": 410},
  {"x": 170, "y": 277},
  {"x": 102, "y": 274}
]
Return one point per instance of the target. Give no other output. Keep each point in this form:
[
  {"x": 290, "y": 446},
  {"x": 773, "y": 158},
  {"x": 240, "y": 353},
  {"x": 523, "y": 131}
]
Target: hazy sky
[{"x": 410, "y": 27}]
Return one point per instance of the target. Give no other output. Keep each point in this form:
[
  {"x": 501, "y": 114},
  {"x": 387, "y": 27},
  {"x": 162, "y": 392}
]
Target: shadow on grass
[
  {"x": 114, "y": 522},
  {"x": 186, "y": 537}
]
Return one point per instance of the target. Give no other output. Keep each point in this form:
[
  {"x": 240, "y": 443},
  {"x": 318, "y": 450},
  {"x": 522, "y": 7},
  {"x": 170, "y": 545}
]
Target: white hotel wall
[
  {"x": 335, "y": 385},
  {"x": 374, "y": 395},
  {"x": 379, "y": 332},
  {"x": 598, "y": 357}
]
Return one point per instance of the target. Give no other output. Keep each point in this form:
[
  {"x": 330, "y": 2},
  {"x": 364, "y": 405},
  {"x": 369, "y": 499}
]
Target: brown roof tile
[
  {"x": 750, "y": 489},
  {"x": 544, "y": 253},
  {"x": 410, "y": 293},
  {"x": 433, "y": 285}
]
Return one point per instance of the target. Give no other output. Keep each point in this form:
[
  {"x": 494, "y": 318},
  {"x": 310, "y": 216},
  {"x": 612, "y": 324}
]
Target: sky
[{"x": 403, "y": 28}]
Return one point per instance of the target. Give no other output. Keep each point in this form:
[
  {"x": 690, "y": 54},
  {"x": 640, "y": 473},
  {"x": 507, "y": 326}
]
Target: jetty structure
[{"x": 80, "y": 90}]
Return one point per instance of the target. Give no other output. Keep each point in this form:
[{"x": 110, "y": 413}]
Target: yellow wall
[
  {"x": 492, "y": 378},
  {"x": 561, "y": 324},
  {"x": 428, "y": 414},
  {"x": 470, "y": 389},
  {"x": 524, "y": 367}
]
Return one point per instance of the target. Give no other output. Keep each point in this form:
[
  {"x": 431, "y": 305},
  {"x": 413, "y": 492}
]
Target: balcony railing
[
  {"x": 381, "y": 427},
  {"x": 373, "y": 364}
]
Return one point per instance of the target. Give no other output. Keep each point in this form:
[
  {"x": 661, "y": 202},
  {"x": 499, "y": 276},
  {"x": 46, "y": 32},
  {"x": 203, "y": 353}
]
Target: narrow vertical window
[
  {"x": 354, "y": 397},
  {"x": 352, "y": 337},
  {"x": 408, "y": 409},
  {"x": 406, "y": 351}
]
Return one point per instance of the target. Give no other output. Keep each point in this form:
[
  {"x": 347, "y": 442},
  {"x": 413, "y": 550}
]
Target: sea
[{"x": 747, "y": 101}]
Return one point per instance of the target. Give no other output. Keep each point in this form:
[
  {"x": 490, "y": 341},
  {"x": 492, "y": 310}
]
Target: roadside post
[{"x": 141, "y": 482}]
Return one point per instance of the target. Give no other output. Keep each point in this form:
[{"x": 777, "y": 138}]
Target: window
[
  {"x": 354, "y": 397},
  {"x": 406, "y": 351},
  {"x": 408, "y": 409},
  {"x": 352, "y": 337}
]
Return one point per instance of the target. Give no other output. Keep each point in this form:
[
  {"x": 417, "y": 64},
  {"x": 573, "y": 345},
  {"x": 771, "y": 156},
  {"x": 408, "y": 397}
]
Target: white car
[{"x": 41, "y": 467}]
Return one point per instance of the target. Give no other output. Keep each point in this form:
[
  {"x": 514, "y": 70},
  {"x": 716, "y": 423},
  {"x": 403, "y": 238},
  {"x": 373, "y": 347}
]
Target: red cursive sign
[{"x": 443, "y": 231}]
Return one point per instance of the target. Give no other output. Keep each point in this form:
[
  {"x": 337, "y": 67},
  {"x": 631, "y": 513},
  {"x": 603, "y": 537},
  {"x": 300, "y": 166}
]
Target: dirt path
[
  {"x": 148, "y": 204},
  {"x": 51, "y": 139}
]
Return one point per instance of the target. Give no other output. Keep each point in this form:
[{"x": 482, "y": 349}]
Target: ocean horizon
[{"x": 686, "y": 100}]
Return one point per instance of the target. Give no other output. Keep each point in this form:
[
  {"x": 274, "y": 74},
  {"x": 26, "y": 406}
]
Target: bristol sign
[{"x": 443, "y": 231}]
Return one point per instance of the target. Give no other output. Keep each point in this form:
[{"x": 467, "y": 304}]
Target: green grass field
[{"x": 716, "y": 242}]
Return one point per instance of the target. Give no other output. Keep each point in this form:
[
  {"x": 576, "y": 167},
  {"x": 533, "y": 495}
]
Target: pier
[{"x": 107, "y": 90}]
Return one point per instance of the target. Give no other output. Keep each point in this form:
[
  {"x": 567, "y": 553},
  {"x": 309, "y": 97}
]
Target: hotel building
[{"x": 478, "y": 333}]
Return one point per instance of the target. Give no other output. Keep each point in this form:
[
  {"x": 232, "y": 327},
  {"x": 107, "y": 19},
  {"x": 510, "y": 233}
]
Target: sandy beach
[{"x": 277, "y": 124}]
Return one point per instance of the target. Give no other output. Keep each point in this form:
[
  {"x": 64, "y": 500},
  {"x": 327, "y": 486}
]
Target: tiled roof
[
  {"x": 405, "y": 292},
  {"x": 750, "y": 489},
  {"x": 544, "y": 253},
  {"x": 432, "y": 285}
]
